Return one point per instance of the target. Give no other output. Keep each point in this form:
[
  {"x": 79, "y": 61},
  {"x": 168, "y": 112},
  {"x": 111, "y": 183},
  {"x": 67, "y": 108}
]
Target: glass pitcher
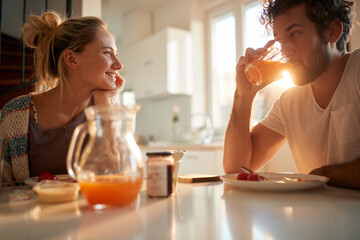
[{"x": 104, "y": 157}]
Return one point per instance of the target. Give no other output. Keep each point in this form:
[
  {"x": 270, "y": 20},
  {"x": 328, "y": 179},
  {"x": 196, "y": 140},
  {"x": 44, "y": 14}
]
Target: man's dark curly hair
[{"x": 320, "y": 12}]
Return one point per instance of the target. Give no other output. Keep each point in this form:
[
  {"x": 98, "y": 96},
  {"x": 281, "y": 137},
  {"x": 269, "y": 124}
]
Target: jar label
[{"x": 159, "y": 179}]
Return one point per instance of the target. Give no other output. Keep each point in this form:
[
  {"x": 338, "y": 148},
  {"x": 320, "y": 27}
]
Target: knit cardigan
[{"x": 14, "y": 125}]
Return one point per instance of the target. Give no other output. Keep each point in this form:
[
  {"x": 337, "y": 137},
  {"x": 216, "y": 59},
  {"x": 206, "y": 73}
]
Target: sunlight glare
[{"x": 285, "y": 82}]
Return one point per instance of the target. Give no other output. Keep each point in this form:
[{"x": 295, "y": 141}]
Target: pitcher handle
[{"x": 75, "y": 147}]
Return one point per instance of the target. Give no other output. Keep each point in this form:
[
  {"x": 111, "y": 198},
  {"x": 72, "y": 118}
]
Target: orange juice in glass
[
  {"x": 110, "y": 189},
  {"x": 266, "y": 66}
]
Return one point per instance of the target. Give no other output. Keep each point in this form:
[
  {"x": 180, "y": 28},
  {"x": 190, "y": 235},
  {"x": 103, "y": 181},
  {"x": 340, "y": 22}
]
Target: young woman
[{"x": 76, "y": 66}]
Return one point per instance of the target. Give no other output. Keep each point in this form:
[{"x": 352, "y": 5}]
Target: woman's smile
[{"x": 112, "y": 75}]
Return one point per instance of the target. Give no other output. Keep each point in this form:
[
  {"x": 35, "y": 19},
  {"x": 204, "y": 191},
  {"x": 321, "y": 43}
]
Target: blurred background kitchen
[{"x": 179, "y": 60}]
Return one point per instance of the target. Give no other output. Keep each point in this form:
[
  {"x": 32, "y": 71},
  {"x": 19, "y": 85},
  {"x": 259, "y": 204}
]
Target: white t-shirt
[{"x": 319, "y": 136}]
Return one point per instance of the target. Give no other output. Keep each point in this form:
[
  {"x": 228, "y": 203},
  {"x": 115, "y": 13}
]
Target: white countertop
[
  {"x": 170, "y": 146},
  {"x": 197, "y": 211}
]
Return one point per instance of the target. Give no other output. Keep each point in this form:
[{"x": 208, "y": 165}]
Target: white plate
[
  {"x": 274, "y": 182},
  {"x": 34, "y": 180}
]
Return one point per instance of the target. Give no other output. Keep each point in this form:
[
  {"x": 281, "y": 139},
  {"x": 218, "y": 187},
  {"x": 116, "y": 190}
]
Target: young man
[{"x": 320, "y": 117}]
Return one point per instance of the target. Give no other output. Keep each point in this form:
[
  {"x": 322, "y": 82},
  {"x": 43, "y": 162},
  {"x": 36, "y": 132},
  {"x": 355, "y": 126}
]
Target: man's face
[{"x": 301, "y": 43}]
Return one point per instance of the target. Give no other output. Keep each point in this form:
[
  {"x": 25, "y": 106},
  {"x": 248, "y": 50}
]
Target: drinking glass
[{"x": 266, "y": 66}]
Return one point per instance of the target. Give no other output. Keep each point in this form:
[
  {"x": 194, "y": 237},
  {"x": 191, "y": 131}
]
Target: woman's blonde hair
[{"x": 50, "y": 34}]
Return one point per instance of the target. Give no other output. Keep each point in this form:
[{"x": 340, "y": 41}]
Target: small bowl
[
  {"x": 51, "y": 191},
  {"x": 177, "y": 154}
]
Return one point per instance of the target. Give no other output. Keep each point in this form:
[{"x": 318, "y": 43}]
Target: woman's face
[{"x": 98, "y": 63}]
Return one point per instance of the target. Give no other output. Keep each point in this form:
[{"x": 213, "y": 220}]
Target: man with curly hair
[{"x": 320, "y": 117}]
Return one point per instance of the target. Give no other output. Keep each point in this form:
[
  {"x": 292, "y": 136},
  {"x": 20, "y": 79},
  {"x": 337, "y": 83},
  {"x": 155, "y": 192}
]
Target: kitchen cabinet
[
  {"x": 202, "y": 162},
  {"x": 159, "y": 65},
  {"x": 198, "y": 159}
]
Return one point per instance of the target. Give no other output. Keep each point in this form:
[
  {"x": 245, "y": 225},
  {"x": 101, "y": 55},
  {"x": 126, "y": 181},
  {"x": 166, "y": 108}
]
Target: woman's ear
[{"x": 70, "y": 59}]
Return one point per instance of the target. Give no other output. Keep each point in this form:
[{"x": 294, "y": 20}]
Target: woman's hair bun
[{"x": 41, "y": 28}]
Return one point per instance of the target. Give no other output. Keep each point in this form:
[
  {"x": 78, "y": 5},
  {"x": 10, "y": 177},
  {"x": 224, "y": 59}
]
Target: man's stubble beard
[{"x": 319, "y": 61}]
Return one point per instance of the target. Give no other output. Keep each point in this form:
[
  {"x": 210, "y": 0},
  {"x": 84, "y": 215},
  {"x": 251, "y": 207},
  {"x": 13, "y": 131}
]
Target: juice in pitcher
[
  {"x": 108, "y": 166},
  {"x": 111, "y": 189}
]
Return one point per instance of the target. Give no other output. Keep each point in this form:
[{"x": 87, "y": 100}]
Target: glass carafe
[{"x": 104, "y": 157}]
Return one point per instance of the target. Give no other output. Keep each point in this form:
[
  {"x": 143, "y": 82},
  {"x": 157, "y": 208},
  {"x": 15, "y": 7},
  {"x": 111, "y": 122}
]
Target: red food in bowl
[{"x": 46, "y": 176}]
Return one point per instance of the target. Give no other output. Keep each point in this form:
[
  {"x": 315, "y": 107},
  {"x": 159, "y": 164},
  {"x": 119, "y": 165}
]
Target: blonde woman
[{"x": 76, "y": 66}]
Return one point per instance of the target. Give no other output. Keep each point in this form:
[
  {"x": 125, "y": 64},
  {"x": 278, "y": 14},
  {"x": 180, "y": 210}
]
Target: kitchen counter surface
[{"x": 197, "y": 211}]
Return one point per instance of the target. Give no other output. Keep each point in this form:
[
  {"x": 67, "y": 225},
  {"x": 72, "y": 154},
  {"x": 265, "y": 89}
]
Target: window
[
  {"x": 223, "y": 63},
  {"x": 254, "y": 34},
  {"x": 227, "y": 42}
]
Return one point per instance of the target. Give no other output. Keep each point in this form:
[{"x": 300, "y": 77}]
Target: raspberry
[
  {"x": 242, "y": 176},
  {"x": 253, "y": 177},
  {"x": 46, "y": 176}
]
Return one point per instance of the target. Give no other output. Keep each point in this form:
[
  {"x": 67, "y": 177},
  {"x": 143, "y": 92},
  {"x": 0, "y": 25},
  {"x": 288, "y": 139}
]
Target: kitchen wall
[
  {"x": 154, "y": 120},
  {"x": 87, "y": 8},
  {"x": 355, "y": 36}
]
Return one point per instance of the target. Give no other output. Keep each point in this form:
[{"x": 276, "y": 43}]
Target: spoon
[{"x": 262, "y": 178}]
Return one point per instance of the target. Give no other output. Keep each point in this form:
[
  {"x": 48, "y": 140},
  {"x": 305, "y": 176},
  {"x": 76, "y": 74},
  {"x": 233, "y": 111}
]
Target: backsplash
[{"x": 154, "y": 120}]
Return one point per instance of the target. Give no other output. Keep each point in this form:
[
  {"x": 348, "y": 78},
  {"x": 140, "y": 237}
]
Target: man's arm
[
  {"x": 243, "y": 147},
  {"x": 341, "y": 175},
  {"x": 237, "y": 136},
  {"x": 251, "y": 149}
]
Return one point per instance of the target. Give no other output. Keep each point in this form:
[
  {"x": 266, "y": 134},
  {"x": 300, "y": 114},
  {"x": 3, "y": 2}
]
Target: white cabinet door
[
  {"x": 196, "y": 161},
  {"x": 159, "y": 65},
  {"x": 202, "y": 162},
  {"x": 144, "y": 64}
]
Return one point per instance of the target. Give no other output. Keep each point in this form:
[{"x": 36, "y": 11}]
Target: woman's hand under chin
[{"x": 109, "y": 97}]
